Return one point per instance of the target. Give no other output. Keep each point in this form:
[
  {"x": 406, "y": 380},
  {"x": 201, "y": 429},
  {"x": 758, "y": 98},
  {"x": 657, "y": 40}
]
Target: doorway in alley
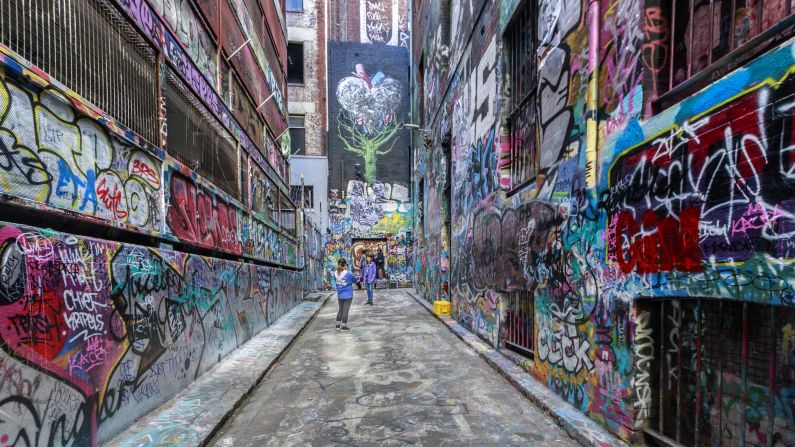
[
  {"x": 371, "y": 246},
  {"x": 520, "y": 314}
]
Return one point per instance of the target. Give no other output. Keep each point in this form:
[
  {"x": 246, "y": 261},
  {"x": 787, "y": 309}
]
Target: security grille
[
  {"x": 87, "y": 46},
  {"x": 197, "y": 140},
  {"x": 712, "y": 368},
  {"x": 520, "y": 44},
  {"x": 521, "y": 314},
  {"x": 701, "y": 40}
]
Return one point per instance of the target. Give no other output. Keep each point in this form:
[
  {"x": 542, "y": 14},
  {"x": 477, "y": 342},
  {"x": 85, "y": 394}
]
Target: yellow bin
[{"x": 442, "y": 308}]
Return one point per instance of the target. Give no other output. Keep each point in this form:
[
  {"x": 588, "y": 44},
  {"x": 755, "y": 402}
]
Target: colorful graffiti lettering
[
  {"x": 51, "y": 155},
  {"x": 103, "y": 330},
  {"x": 198, "y": 216}
]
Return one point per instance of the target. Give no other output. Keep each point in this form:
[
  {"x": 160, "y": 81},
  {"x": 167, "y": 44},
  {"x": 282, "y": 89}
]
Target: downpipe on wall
[{"x": 592, "y": 101}]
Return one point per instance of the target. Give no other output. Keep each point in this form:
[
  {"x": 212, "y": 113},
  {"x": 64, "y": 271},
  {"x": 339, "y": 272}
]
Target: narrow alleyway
[{"x": 398, "y": 378}]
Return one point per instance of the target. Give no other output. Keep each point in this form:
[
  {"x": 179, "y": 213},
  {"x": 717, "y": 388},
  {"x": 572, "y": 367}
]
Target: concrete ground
[{"x": 398, "y": 378}]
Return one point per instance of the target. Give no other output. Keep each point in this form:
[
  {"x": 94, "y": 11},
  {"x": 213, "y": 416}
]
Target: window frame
[
  {"x": 289, "y": 9},
  {"x": 524, "y": 19},
  {"x": 302, "y": 64},
  {"x": 182, "y": 147},
  {"x": 303, "y": 131},
  {"x": 309, "y": 195},
  {"x": 737, "y": 56},
  {"x": 447, "y": 23}
]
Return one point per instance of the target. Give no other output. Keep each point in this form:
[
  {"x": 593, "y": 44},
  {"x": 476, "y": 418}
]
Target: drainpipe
[{"x": 592, "y": 128}]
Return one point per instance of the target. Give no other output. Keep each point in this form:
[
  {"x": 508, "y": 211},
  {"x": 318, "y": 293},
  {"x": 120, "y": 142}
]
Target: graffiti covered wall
[
  {"x": 96, "y": 330},
  {"x": 369, "y": 152},
  {"x": 55, "y": 157},
  {"x": 113, "y": 330},
  {"x": 380, "y": 22},
  {"x": 380, "y": 211},
  {"x": 691, "y": 202}
]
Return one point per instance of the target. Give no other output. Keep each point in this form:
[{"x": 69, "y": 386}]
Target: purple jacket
[{"x": 368, "y": 274}]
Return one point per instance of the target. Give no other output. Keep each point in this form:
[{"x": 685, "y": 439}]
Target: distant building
[{"x": 369, "y": 149}]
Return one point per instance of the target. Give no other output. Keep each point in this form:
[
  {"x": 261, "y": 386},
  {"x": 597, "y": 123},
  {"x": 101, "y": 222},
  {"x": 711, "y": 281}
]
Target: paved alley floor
[{"x": 398, "y": 378}]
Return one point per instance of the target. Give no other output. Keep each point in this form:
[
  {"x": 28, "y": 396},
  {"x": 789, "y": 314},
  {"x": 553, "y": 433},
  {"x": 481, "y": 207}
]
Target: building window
[
  {"x": 698, "y": 40},
  {"x": 295, "y": 63},
  {"x": 75, "y": 42},
  {"x": 246, "y": 112},
  {"x": 447, "y": 22},
  {"x": 520, "y": 44},
  {"x": 297, "y": 135},
  {"x": 261, "y": 191},
  {"x": 308, "y": 193},
  {"x": 198, "y": 141},
  {"x": 295, "y": 5},
  {"x": 225, "y": 71},
  {"x": 287, "y": 215}
]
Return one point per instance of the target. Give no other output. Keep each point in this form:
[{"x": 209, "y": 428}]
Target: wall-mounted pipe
[{"x": 592, "y": 127}]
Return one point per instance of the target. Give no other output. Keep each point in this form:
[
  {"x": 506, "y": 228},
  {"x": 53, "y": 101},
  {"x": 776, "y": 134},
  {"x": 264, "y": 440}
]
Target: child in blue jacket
[{"x": 345, "y": 280}]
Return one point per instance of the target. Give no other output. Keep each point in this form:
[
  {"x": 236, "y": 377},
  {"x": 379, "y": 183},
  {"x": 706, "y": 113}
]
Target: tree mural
[{"x": 367, "y": 121}]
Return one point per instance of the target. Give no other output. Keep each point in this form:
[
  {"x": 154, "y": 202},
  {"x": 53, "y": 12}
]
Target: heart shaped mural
[{"x": 368, "y": 119}]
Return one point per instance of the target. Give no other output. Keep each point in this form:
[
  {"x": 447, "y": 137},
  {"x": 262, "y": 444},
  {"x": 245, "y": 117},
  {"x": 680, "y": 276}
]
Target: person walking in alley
[
  {"x": 345, "y": 280},
  {"x": 362, "y": 262},
  {"x": 368, "y": 277},
  {"x": 379, "y": 263}
]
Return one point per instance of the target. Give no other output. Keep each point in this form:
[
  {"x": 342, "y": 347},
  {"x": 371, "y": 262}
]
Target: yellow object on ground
[{"x": 442, "y": 308}]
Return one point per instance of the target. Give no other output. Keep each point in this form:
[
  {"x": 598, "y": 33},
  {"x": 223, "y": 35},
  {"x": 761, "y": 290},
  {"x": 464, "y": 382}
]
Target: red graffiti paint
[
  {"x": 193, "y": 217},
  {"x": 142, "y": 169},
  {"x": 111, "y": 197},
  {"x": 657, "y": 244}
]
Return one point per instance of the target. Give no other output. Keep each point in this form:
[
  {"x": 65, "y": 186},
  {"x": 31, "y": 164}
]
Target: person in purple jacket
[
  {"x": 345, "y": 280},
  {"x": 368, "y": 276}
]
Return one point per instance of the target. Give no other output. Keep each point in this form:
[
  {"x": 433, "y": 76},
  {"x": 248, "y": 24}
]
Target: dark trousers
[{"x": 342, "y": 313}]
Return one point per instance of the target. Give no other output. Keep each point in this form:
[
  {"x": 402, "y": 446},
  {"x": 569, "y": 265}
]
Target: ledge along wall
[
  {"x": 694, "y": 204},
  {"x": 95, "y": 333}
]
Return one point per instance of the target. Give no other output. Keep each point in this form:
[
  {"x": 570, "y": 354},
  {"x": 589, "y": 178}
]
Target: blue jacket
[
  {"x": 345, "y": 282},
  {"x": 368, "y": 274}
]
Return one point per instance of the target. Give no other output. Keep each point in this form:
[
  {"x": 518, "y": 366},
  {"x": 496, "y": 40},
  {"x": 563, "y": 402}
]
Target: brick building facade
[{"x": 368, "y": 147}]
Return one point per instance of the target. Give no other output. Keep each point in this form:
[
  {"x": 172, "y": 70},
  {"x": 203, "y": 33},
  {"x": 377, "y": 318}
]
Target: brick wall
[
  {"x": 309, "y": 99},
  {"x": 391, "y": 63}
]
